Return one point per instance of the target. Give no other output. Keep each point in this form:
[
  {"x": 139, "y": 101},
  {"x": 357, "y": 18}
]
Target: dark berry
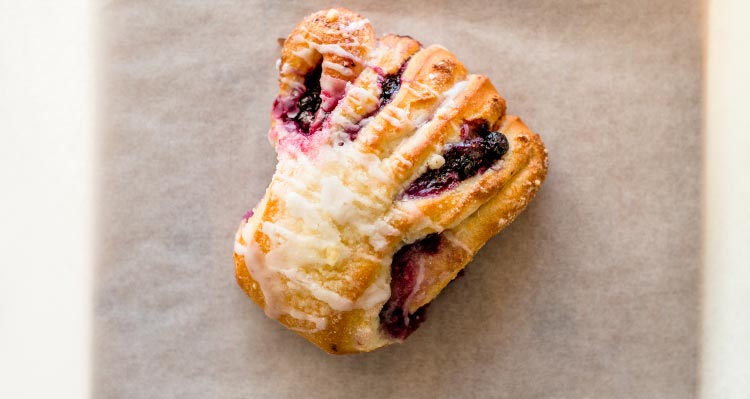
[
  {"x": 394, "y": 317},
  {"x": 391, "y": 84},
  {"x": 477, "y": 153},
  {"x": 309, "y": 103}
]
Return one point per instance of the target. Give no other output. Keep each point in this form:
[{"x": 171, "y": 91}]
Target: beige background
[{"x": 592, "y": 292}]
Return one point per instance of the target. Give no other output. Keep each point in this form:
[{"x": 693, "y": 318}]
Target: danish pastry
[{"x": 395, "y": 166}]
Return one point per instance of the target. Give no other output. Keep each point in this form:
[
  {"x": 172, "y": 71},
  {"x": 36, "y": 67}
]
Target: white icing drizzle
[
  {"x": 287, "y": 69},
  {"x": 291, "y": 78},
  {"x": 355, "y": 25},
  {"x": 269, "y": 285},
  {"x": 371, "y": 258},
  {"x": 498, "y": 164},
  {"x": 456, "y": 89},
  {"x": 448, "y": 235},
  {"x": 307, "y": 54},
  {"x": 449, "y": 98},
  {"x": 320, "y": 322},
  {"x": 323, "y": 199},
  {"x": 444, "y": 109},
  {"x": 378, "y": 234},
  {"x": 402, "y": 114},
  {"x": 378, "y": 292},
  {"x": 421, "y": 120},
  {"x": 239, "y": 249},
  {"x": 346, "y": 116},
  {"x": 376, "y": 124},
  {"x": 426, "y": 87},
  {"x": 335, "y": 87},
  {"x": 421, "y": 224},
  {"x": 334, "y": 300},
  {"x": 395, "y": 122},
  {"x": 297, "y": 86},
  {"x": 304, "y": 28},
  {"x": 414, "y": 92},
  {"x": 361, "y": 95},
  {"x": 374, "y": 57},
  {"x": 399, "y": 158},
  {"x": 366, "y": 122},
  {"x": 344, "y": 71},
  {"x": 335, "y": 49}
]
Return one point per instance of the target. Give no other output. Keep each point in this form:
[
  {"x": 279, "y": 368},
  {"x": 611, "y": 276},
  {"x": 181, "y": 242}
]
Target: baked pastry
[{"x": 395, "y": 166}]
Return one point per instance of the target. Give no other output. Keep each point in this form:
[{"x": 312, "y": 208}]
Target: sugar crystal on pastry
[{"x": 395, "y": 166}]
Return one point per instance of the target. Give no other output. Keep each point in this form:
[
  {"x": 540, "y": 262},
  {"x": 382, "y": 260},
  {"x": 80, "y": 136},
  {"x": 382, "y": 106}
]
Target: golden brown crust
[
  {"x": 525, "y": 171},
  {"x": 321, "y": 28},
  {"x": 323, "y": 273},
  {"x": 430, "y": 72}
]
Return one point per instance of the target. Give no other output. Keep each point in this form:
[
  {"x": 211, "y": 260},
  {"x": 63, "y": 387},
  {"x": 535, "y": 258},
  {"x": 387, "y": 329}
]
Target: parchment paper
[{"x": 593, "y": 292}]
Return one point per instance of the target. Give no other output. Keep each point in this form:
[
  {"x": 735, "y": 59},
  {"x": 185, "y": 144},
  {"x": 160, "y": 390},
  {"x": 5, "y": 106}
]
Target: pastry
[{"x": 395, "y": 166}]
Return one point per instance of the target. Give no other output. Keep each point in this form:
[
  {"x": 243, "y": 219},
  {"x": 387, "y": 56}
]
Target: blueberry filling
[
  {"x": 309, "y": 103},
  {"x": 395, "y": 319},
  {"x": 389, "y": 87},
  {"x": 480, "y": 149}
]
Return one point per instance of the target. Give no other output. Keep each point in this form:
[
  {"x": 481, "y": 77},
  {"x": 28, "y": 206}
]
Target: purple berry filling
[
  {"x": 480, "y": 149},
  {"x": 389, "y": 87},
  {"x": 299, "y": 113},
  {"x": 395, "y": 319},
  {"x": 309, "y": 103},
  {"x": 248, "y": 215}
]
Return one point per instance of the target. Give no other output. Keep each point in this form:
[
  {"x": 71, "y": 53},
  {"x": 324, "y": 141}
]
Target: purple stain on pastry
[
  {"x": 248, "y": 215},
  {"x": 480, "y": 149},
  {"x": 395, "y": 318},
  {"x": 353, "y": 132}
]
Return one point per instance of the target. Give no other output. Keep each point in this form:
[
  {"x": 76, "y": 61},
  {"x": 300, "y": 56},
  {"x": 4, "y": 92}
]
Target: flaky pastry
[{"x": 395, "y": 166}]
